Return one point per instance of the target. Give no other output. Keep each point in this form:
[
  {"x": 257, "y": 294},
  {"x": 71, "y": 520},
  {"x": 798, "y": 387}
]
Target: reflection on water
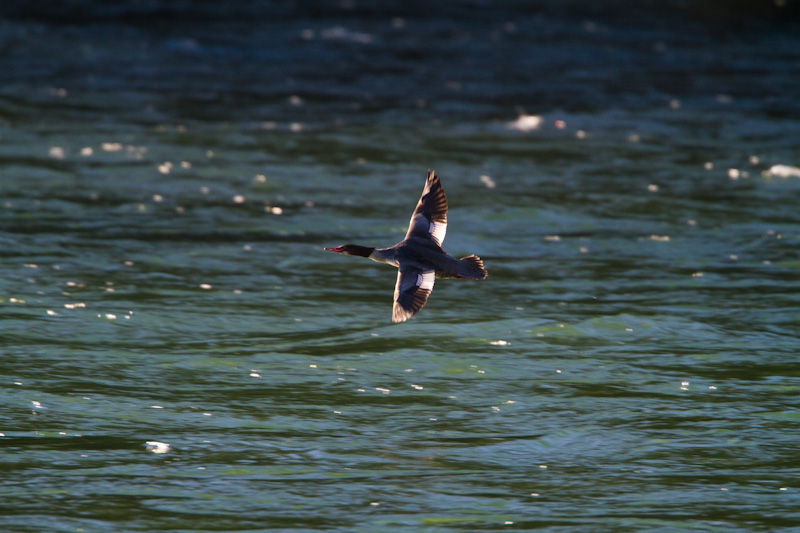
[{"x": 178, "y": 352}]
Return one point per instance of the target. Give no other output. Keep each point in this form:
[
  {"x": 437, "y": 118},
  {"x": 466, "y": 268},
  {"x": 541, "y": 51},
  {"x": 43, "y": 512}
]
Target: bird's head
[{"x": 352, "y": 249}]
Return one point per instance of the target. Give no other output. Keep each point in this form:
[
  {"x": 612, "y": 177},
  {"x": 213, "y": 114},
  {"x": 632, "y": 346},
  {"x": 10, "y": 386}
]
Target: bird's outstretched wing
[
  {"x": 411, "y": 292},
  {"x": 429, "y": 220}
]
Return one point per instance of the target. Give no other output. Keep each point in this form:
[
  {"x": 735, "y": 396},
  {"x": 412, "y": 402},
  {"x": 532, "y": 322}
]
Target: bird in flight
[{"x": 419, "y": 257}]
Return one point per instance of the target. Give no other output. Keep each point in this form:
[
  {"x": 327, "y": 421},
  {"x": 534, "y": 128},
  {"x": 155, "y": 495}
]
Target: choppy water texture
[{"x": 177, "y": 352}]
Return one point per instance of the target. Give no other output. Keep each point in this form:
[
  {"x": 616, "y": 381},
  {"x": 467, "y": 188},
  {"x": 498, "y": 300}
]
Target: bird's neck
[{"x": 384, "y": 255}]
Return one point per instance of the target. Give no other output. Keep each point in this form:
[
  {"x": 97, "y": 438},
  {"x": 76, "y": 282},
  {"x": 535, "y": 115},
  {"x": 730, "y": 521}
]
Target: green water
[{"x": 631, "y": 363}]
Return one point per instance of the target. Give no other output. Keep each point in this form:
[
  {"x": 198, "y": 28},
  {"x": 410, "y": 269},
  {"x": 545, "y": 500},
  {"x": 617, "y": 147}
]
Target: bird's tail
[{"x": 471, "y": 267}]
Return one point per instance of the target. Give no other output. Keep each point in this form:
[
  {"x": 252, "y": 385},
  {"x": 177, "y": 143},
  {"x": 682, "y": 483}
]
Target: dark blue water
[{"x": 178, "y": 353}]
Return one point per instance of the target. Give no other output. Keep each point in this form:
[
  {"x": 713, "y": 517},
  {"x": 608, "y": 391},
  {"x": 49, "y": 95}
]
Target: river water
[{"x": 178, "y": 353}]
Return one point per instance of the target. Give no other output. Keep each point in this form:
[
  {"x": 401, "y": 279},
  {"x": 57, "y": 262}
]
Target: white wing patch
[
  {"x": 426, "y": 279},
  {"x": 438, "y": 230},
  {"x": 411, "y": 292}
]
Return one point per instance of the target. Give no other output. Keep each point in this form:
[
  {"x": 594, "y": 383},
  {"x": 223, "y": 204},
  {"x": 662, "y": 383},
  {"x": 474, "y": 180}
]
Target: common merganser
[{"x": 419, "y": 257}]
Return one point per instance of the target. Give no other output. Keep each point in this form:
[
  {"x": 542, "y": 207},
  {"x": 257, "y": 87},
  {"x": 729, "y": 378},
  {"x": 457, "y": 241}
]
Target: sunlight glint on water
[{"x": 179, "y": 353}]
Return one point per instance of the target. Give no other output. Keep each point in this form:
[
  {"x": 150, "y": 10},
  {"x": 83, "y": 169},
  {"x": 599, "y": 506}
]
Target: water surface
[{"x": 179, "y": 354}]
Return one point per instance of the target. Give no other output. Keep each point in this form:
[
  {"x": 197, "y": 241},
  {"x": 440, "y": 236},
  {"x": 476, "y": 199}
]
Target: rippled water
[{"x": 179, "y": 354}]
